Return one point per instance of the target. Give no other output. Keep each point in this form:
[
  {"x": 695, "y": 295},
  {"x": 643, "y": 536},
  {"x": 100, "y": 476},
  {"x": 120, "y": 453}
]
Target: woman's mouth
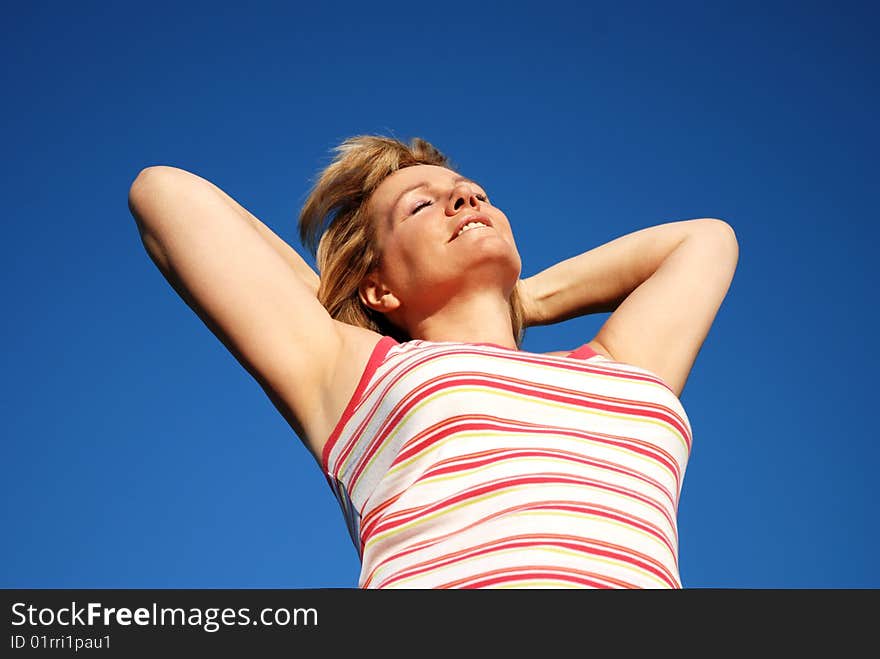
[
  {"x": 469, "y": 227},
  {"x": 471, "y": 223}
]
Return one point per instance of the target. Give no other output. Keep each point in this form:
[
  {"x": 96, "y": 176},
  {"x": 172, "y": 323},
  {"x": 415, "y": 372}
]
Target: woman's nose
[{"x": 464, "y": 195}]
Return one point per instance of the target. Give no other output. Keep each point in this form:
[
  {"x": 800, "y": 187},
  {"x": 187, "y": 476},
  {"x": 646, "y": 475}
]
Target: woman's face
[{"x": 425, "y": 257}]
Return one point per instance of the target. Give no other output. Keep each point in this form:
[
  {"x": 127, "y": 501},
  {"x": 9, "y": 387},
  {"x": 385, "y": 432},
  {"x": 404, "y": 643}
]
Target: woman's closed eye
[
  {"x": 420, "y": 206},
  {"x": 423, "y": 204}
]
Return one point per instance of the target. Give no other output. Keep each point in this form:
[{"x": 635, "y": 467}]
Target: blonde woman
[{"x": 459, "y": 460}]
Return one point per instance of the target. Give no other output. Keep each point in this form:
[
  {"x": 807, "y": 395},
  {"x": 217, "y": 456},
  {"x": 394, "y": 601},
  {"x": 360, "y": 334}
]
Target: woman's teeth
[{"x": 469, "y": 225}]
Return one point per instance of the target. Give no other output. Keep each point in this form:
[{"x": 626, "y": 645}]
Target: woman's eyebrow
[{"x": 426, "y": 184}]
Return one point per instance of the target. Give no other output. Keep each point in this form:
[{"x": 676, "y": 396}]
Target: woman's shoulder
[
  {"x": 358, "y": 352},
  {"x": 587, "y": 350}
]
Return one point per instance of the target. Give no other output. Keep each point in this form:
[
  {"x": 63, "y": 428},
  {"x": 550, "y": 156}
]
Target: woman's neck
[{"x": 476, "y": 318}]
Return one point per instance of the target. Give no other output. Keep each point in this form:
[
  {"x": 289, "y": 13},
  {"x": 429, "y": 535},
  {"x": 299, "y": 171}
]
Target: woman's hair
[{"x": 346, "y": 248}]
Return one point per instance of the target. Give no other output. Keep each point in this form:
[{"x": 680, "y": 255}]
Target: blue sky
[{"x": 138, "y": 453}]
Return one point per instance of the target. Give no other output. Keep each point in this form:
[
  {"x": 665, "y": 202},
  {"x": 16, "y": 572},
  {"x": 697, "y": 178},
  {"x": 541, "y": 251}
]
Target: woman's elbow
[
  {"x": 150, "y": 176},
  {"x": 146, "y": 191},
  {"x": 142, "y": 195}
]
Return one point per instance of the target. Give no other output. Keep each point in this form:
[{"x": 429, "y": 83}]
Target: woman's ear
[{"x": 376, "y": 295}]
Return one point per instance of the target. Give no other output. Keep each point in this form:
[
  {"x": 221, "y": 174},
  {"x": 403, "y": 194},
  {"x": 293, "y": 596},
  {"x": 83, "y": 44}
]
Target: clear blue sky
[{"x": 138, "y": 453}]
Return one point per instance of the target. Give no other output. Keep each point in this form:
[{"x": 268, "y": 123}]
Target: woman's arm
[
  {"x": 664, "y": 285},
  {"x": 308, "y": 276},
  {"x": 244, "y": 291},
  {"x": 600, "y": 279}
]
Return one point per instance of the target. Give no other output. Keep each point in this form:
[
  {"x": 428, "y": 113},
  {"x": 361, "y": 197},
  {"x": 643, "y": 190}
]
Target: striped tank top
[{"x": 472, "y": 465}]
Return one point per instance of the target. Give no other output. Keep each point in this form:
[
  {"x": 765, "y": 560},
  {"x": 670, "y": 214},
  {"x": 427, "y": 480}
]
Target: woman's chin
[
  {"x": 486, "y": 245},
  {"x": 497, "y": 259}
]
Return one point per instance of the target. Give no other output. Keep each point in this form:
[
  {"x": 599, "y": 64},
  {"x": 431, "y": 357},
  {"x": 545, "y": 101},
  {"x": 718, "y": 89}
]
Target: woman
[{"x": 459, "y": 461}]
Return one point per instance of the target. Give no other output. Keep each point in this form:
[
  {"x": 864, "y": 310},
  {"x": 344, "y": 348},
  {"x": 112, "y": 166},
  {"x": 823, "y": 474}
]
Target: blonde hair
[{"x": 346, "y": 248}]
